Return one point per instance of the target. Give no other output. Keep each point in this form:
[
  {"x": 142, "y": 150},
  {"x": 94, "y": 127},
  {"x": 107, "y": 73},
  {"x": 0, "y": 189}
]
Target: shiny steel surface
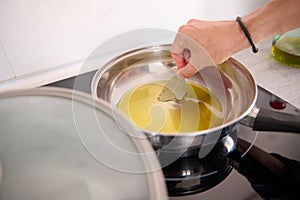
[
  {"x": 230, "y": 82},
  {"x": 250, "y": 119}
]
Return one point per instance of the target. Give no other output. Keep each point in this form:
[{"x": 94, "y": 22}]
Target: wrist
[
  {"x": 240, "y": 41},
  {"x": 259, "y": 26},
  {"x": 247, "y": 34}
]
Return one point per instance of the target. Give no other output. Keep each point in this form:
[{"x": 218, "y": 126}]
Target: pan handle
[{"x": 261, "y": 119}]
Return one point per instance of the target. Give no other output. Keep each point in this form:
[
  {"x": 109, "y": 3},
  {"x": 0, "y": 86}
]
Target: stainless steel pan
[{"x": 230, "y": 82}]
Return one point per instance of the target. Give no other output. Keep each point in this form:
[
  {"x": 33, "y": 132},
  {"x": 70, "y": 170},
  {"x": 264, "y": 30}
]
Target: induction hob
[{"x": 240, "y": 175}]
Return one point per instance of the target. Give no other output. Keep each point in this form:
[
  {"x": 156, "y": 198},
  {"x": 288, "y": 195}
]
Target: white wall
[{"x": 40, "y": 35}]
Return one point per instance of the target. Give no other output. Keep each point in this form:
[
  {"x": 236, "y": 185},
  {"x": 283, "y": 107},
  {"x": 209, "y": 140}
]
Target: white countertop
[{"x": 283, "y": 81}]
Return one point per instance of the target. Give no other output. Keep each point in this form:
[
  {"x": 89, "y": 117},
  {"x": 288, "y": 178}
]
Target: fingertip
[
  {"x": 175, "y": 56},
  {"x": 188, "y": 71},
  {"x": 179, "y": 61}
]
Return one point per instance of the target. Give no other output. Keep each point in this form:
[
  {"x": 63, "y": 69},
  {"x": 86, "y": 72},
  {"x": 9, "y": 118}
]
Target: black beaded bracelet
[{"x": 247, "y": 34}]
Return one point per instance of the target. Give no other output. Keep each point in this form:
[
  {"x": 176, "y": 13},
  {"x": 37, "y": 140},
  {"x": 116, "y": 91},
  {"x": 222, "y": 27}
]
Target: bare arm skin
[{"x": 218, "y": 40}]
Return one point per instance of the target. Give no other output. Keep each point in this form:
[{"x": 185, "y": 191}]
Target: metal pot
[{"x": 230, "y": 82}]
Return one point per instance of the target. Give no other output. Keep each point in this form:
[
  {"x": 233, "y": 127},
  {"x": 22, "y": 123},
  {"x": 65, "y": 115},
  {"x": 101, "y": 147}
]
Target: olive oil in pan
[{"x": 199, "y": 109}]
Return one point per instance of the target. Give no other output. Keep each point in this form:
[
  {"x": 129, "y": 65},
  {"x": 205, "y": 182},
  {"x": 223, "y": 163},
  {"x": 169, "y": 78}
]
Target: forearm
[
  {"x": 222, "y": 39},
  {"x": 275, "y": 17}
]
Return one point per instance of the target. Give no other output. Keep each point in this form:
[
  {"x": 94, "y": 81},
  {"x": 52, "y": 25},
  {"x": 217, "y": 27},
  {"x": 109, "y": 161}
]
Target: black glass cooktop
[{"x": 271, "y": 176}]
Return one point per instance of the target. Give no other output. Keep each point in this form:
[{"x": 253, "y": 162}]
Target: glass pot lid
[{"x": 58, "y": 144}]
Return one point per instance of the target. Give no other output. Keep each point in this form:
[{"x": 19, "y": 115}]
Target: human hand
[{"x": 204, "y": 43}]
